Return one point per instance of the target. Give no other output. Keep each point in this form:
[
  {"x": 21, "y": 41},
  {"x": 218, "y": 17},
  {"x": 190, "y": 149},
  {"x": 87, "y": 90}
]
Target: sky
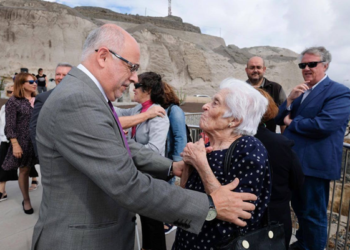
[{"x": 291, "y": 24}]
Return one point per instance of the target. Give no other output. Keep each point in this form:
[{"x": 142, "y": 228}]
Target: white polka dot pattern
[{"x": 250, "y": 164}]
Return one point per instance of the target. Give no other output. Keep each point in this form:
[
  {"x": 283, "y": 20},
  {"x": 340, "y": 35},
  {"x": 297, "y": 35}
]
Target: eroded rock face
[
  {"x": 36, "y": 34},
  {"x": 170, "y": 22},
  {"x": 39, "y": 38}
]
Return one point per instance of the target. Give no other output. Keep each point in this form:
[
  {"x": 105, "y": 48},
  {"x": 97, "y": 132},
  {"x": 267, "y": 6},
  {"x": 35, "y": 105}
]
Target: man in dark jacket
[{"x": 255, "y": 71}]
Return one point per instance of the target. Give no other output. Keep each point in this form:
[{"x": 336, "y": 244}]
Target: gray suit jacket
[
  {"x": 38, "y": 104},
  {"x": 151, "y": 133},
  {"x": 91, "y": 187}
]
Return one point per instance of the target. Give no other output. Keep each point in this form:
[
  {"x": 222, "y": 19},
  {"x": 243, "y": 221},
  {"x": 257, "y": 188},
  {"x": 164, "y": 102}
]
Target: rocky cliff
[{"x": 37, "y": 34}]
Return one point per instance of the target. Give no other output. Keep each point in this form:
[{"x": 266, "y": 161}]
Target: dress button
[{"x": 245, "y": 244}]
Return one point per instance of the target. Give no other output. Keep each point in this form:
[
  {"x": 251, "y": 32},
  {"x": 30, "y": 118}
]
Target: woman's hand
[
  {"x": 155, "y": 111},
  {"x": 195, "y": 154},
  {"x": 185, "y": 175},
  {"x": 17, "y": 150}
]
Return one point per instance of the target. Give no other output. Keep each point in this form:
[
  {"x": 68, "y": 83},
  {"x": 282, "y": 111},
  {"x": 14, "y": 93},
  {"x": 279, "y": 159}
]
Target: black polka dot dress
[{"x": 250, "y": 164}]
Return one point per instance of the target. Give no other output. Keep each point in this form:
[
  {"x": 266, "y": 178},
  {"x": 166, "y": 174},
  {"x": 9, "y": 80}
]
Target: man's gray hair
[
  {"x": 64, "y": 64},
  {"x": 244, "y": 103},
  {"x": 318, "y": 51},
  {"x": 105, "y": 35}
]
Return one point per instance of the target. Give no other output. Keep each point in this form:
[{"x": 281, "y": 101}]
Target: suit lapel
[
  {"x": 295, "y": 106},
  {"x": 322, "y": 86},
  {"x": 75, "y": 72}
]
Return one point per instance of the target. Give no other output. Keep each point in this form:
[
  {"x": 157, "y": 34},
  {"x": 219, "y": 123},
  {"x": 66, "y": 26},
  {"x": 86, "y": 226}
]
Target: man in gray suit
[
  {"x": 61, "y": 71},
  {"x": 93, "y": 179}
]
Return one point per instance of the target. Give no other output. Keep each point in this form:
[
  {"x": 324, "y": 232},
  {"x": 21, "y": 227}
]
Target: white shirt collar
[
  {"x": 319, "y": 82},
  {"x": 93, "y": 78}
]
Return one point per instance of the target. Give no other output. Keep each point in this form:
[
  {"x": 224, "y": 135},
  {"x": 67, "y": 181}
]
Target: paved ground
[{"x": 16, "y": 227}]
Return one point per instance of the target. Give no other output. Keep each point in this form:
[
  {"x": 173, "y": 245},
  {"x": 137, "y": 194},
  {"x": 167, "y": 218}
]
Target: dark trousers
[
  {"x": 153, "y": 236},
  {"x": 41, "y": 89},
  {"x": 310, "y": 206},
  {"x": 281, "y": 213},
  {"x": 33, "y": 172}
]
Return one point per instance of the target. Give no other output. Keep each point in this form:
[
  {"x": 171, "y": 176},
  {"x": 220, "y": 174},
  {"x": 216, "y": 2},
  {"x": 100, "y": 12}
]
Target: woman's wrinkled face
[{"x": 212, "y": 117}]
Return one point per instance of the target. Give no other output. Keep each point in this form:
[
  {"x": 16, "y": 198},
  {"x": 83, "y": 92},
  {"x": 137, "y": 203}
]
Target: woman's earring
[{"x": 230, "y": 124}]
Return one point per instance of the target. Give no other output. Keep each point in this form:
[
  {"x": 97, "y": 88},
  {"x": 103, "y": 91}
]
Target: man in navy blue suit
[{"x": 316, "y": 114}]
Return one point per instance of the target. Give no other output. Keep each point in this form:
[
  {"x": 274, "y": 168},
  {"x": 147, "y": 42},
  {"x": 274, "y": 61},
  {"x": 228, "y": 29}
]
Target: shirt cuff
[{"x": 170, "y": 171}]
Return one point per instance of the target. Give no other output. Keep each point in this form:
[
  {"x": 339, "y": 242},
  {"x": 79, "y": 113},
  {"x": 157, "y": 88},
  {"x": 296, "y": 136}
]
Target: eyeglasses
[
  {"x": 309, "y": 64},
  {"x": 32, "y": 81},
  {"x": 137, "y": 85},
  {"x": 9, "y": 92},
  {"x": 133, "y": 67}
]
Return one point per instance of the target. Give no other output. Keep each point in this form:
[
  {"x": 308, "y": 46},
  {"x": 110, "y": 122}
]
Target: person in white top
[{"x": 5, "y": 175}]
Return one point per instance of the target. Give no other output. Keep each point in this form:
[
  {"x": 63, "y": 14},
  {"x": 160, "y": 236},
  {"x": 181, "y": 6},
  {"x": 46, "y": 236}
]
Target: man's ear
[{"x": 101, "y": 57}]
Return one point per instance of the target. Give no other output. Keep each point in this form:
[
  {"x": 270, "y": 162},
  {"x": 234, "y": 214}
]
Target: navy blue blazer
[{"x": 318, "y": 128}]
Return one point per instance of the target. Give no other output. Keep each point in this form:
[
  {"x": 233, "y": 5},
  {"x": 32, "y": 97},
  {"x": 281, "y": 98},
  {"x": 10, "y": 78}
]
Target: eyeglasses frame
[{"x": 134, "y": 67}]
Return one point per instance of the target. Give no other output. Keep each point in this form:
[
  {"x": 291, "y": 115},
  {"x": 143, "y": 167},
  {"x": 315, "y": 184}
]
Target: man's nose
[{"x": 134, "y": 78}]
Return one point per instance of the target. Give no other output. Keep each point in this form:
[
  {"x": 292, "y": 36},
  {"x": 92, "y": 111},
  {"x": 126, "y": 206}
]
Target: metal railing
[
  {"x": 192, "y": 118},
  {"x": 195, "y": 132},
  {"x": 339, "y": 218}
]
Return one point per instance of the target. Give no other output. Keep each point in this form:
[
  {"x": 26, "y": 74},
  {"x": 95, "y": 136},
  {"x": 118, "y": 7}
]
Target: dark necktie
[{"x": 120, "y": 127}]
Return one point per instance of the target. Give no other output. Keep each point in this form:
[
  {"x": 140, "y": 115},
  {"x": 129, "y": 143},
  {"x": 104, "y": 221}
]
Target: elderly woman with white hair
[{"x": 233, "y": 115}]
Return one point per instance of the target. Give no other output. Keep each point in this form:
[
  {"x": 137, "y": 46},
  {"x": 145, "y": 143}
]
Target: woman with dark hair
[
  {"x": 152, "y": 133},
  {"x": 177, "y": 135},
  {"x": 21, "y": 153},
  {"x": 287, "y": 174},
  {"x": 42, "y": 86}
]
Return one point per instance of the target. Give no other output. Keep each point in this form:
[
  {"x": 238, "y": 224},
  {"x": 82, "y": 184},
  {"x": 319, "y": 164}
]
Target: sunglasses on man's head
[
  {"x": 32, "y": 81},
  {"x": 137, "y": 85},
  {"x": 309, "y": 64}
]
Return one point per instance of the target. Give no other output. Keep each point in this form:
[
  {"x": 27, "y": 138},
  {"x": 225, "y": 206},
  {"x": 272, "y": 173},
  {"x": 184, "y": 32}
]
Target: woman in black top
[
  {"x": 21, "y": 152},
  {"x": 41, "y": 79},
  {"x": 286, "y": 169}
]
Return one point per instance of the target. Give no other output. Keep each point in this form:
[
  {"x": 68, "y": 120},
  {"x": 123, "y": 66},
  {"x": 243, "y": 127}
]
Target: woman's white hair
[
  {"x": 244, "y": 103},
  {"x": 106, "y": 35}
]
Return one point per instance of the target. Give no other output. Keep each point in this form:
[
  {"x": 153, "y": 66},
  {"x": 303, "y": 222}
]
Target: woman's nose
[{"x": 205, "y": 106}]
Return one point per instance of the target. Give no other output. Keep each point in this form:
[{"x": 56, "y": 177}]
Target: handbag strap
[
  {"x": 227, "y": 164},
  {"x": 228, "y": 157}
]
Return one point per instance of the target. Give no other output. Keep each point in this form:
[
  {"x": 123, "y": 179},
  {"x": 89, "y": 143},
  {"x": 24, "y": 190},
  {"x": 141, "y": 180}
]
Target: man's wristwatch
[{"x": 212, "y": 210}]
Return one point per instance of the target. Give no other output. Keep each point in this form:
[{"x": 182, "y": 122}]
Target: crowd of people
[{"x": 101, "y": 165}]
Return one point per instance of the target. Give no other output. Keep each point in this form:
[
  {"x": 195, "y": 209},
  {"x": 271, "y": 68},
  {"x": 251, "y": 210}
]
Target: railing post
[
  {"x": 331, "y": 214},
  {"x": 341, "y": 198}
]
